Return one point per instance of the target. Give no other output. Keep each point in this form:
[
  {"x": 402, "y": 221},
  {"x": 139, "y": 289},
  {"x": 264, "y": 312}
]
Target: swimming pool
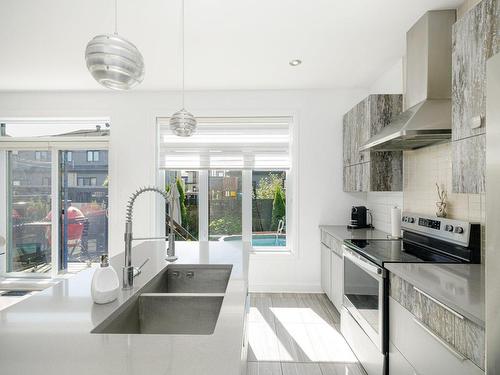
[{"x": 261, "y": 239}]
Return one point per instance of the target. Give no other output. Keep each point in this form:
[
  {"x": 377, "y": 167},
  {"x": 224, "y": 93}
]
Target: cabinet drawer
[
  {"x": 426, "y": 352},
  {"x": 464, "y": 335}
]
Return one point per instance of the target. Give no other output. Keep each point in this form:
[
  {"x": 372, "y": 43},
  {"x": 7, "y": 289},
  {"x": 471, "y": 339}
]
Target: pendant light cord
[
  {"x": 116, "y": 17},
  {"x": 182, "y": 53}
]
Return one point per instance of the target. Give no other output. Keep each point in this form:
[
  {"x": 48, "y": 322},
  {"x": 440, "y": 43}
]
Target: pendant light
[
  {"x": 113, "y": 61},
  {"x": 182, "y": 123}
]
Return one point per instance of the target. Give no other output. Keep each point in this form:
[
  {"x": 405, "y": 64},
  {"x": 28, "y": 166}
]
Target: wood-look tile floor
[{"x": 297, "y": 334}]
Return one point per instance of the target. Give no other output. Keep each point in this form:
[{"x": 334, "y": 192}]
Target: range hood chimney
[{"x": 427, "y": 118}]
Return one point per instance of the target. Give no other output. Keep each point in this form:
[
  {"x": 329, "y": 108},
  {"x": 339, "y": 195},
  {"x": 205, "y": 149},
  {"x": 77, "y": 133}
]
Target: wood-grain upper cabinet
[
  {"x": 475, "y": 40},
  {"x": 370, "y": 170}
]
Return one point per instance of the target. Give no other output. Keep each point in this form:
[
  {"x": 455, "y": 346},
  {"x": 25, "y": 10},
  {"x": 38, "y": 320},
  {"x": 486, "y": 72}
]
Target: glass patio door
[
  {"x": 29, "y": 206},
  {"x": 84, "y": 208}
]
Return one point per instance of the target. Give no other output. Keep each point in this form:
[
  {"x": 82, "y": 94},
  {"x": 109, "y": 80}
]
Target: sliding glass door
[
  {"x": 29, "y": 205},
  {"x": 84, "y": 207},
  {"x": 40, "y": 182}
]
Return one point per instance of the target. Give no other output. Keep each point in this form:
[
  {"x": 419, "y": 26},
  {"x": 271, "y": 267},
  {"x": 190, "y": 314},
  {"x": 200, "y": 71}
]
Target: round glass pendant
[
  {"x": 114, "y": 62},
  {"x": 183, "y": 123}
]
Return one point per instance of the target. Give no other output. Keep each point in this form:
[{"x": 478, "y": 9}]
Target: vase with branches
[{"x": 441, "y": 203}]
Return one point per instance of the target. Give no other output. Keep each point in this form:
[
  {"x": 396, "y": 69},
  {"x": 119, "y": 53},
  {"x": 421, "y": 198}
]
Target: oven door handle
[{"x": 364, "y": 264}]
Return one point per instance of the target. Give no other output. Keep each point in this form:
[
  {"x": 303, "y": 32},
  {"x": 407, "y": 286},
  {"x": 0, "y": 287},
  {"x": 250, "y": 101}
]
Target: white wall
[
  {"x": 133, "y": 154},
  {"x": 391, "y": 81}
]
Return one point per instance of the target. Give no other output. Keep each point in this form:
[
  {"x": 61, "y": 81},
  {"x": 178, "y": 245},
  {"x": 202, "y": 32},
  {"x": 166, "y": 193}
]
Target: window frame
[
  {"x": 292, "y": 249},
  {"x": 93, "y": 156},
  {"x": 53, "y": 146}
]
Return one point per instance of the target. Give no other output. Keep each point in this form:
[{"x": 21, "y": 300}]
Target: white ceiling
[{"x": 230, "y": 44}]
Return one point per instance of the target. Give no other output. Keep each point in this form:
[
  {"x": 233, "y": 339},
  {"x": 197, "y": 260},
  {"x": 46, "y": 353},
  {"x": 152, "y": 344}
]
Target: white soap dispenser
[{"x": 105, "y": 283}]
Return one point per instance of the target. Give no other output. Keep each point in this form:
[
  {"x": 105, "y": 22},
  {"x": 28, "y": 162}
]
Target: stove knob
[
  {"x": 412, "y": 220},
  {"x": 459, "y": 230},
  {"x": 448, "y": 228},
  {"x": 403, "y": 219}
]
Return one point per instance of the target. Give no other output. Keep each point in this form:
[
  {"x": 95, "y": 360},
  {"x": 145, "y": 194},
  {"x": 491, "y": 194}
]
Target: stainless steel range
[{"x": 365, "y": 313}]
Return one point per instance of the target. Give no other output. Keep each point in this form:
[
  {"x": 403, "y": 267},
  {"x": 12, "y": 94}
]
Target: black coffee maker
[{"x": 359, "y": 218}]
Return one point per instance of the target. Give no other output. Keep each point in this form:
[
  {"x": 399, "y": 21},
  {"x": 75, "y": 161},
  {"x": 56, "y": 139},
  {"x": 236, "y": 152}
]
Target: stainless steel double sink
[{"x": 181, "y": 299}]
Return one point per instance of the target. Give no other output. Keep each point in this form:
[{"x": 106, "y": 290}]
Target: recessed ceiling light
[{"x": 295, "y": 62}]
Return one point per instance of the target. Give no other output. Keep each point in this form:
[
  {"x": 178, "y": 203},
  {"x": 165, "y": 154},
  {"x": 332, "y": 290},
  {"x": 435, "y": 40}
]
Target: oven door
[{"x": 364, "y": 294}]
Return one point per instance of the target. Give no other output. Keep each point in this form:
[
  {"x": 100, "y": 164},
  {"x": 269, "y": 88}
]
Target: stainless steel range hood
[{"x": 427, "y": 119}]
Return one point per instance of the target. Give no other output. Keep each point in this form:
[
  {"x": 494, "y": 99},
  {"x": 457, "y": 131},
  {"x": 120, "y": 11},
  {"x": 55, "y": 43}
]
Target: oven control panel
[{"x": 447, "y": 229}]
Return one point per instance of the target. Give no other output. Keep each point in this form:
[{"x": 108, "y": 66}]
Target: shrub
[{"x": 279, "y": 207}]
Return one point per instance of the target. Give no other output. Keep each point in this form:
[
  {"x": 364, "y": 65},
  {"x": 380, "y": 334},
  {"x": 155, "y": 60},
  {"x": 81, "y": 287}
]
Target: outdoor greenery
[
  {"x": 189, "y": 215},
  {"x": 230, "y": 224},
  {"x": 182, "y": 199},
  {"x": 37, "y": 210},
  {"x": 266, "y": 189},
  {"x": 279, "y": 207}
]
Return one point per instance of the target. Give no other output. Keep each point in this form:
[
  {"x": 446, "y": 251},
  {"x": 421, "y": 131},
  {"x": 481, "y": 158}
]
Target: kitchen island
[{"x": 50, "y": 332}]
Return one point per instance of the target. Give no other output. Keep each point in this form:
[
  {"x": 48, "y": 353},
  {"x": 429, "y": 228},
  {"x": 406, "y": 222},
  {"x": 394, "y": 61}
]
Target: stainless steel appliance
[
  {"x": 427, "y": 118},
  {"x": 359, "y": 218},
  {"x": 365, "y": 313}
]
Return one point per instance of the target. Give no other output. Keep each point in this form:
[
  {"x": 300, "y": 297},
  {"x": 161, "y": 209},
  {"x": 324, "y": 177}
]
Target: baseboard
[{"x": 284, "y": 288}]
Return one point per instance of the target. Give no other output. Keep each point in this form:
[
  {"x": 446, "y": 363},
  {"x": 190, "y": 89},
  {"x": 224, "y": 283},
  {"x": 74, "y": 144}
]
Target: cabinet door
[
  {"x": 362, "y": 175},
  {"x": 361, "y": 132},
  {"x": 349, "y": 179},
  {"x": 337, "y": 288},
  {"x": 326, "y": 270},
  {"x": 475, "y": 40},
  {"x": 427, "y": 353},
  {"x": 386, "y": 171},
  {"x": 468, "y": 162},
  {"x": 347, "y": 126}
]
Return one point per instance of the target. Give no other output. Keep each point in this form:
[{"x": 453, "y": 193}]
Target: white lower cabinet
[
  {"x": 366, "y": 351},
  {"x": 337, "y": 280},
  {"x": 425, "y": 352},
  {"x": 326, "y": 272},
  {"x": 332, "y": 269}
]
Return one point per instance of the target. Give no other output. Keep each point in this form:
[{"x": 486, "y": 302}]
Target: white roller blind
[{"x": 228, "y": 143}]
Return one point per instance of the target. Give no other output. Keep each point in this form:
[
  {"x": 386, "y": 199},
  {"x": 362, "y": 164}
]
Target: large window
[
  {"x": 243, "y": 164},
  {"x": 268, "y": 208}
]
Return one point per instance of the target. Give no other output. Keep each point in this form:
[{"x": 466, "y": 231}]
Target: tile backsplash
[
  {"x": 424, "y": 168},
  {"x": 380, "y": 204}
]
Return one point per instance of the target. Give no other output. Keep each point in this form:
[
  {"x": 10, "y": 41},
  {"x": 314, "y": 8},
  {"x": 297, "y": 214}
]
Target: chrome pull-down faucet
[{"x": 129, "y": 271}]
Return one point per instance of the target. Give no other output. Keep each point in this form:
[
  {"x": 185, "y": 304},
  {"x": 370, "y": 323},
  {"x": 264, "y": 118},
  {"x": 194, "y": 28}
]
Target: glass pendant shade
[
  {"x": 114, "y": 62},
  {"x": 183, "y": 123}
]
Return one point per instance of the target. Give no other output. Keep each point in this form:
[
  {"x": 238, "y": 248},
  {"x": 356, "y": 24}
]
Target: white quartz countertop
[
  {"x": 49, "y": 333},
  {"x": 458, "y": 286},
  {"x": 341, "y": 232}
]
